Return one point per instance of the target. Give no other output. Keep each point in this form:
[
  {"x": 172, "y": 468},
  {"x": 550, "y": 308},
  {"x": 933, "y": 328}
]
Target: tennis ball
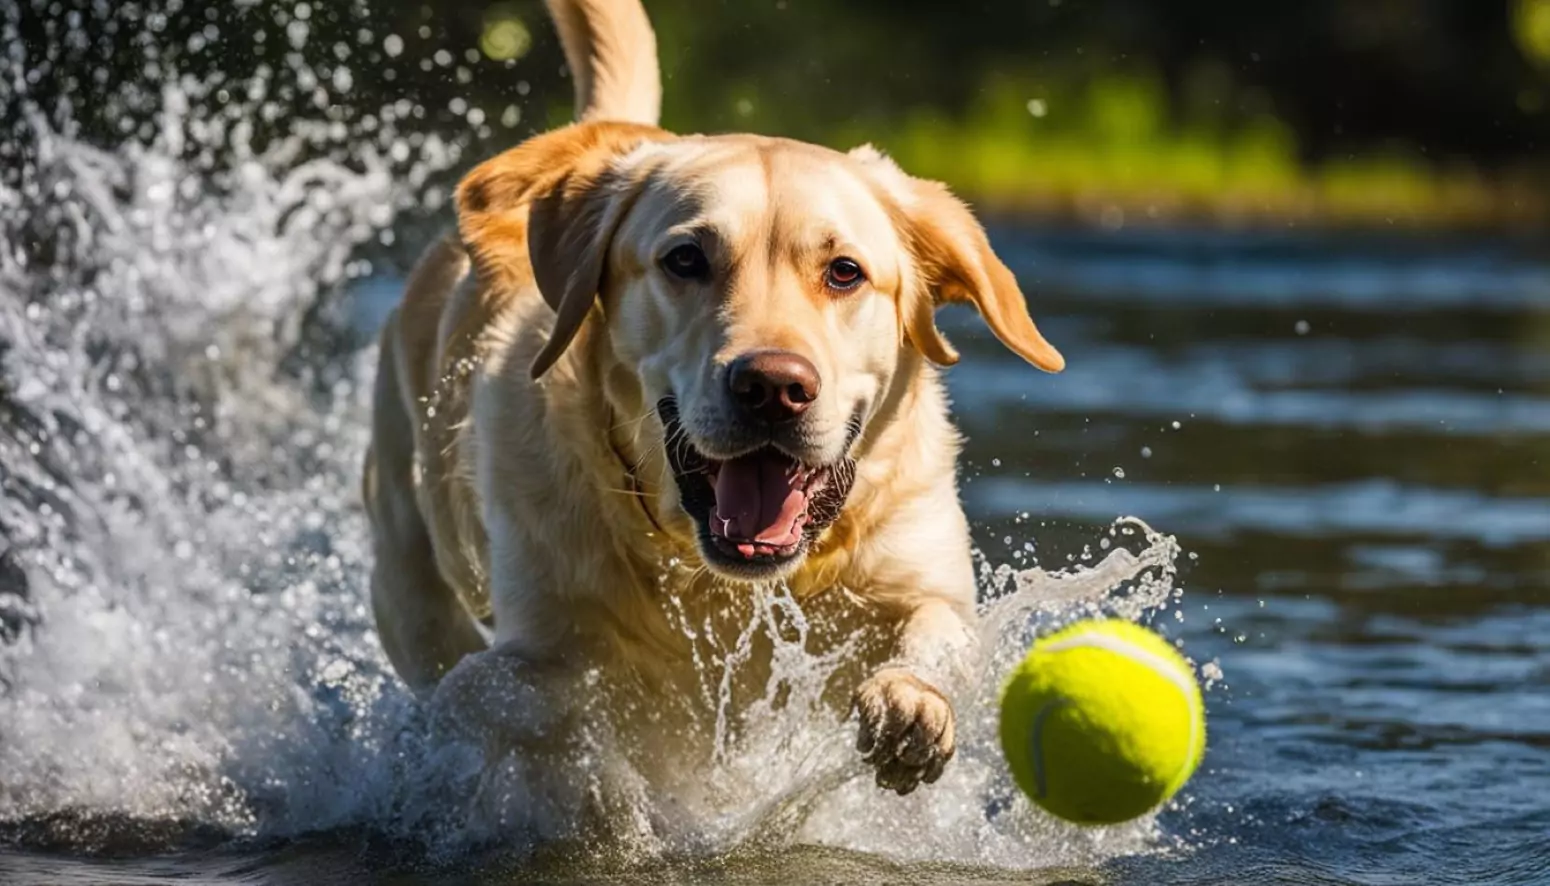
[{"x": 1102, "y": 722}]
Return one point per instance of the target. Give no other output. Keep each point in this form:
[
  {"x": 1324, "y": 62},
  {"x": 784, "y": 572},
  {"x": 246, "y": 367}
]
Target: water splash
[
  {"x": 185, "y": 642},
  {"x": 182, "y": 610}
]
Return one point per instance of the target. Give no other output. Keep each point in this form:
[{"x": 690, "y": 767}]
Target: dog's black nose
[{"x": 775, "y": 386}]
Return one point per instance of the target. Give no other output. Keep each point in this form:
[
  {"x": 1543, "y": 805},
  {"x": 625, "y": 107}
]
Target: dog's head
[{"x": 767, "y": 298}]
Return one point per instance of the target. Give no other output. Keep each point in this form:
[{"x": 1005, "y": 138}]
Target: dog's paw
[
  {"x": 906, "y": 729},
  {"x": 495, "y": 699}
]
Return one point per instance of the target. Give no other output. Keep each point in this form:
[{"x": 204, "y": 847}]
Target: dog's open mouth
[
  {"x": 762, "y": 501},
  {"x": 757, "y": 512}
]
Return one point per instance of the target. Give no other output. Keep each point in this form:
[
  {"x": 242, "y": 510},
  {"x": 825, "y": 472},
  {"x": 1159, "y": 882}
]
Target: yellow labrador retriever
[{"x": 651, "y": 372}]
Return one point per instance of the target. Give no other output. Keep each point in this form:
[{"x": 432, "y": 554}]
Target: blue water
[
  {"x": 1350, "y": 441},
  {"x": 1361, "y": 465},
  {"x": 1342, "y": 443}
]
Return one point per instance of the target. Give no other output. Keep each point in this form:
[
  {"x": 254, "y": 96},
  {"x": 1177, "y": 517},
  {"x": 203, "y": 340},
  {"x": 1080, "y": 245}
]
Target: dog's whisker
[
  {"x": 633, "y": 423},
  {"x": 639, "y": 493},
  {"x": 650, "y": 451}
]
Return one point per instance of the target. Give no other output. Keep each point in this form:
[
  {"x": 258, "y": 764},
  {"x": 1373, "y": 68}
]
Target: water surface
[
  {"x": 1339, "y": 446},
  {"x": 1346, "y": 440}
]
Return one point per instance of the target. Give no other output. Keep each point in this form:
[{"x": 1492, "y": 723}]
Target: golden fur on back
[{"x": 518, "y": 473}]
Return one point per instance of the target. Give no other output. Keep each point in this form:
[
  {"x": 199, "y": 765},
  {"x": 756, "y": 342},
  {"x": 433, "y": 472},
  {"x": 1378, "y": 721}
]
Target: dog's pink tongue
[{"x": 759, "y": 497}]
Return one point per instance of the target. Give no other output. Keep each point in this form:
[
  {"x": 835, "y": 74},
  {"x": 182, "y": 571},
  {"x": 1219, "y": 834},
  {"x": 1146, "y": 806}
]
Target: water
[{"x": 1339, "y": 446}]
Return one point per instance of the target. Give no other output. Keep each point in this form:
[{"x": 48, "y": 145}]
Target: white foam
[{"x": 196, "y": 644}]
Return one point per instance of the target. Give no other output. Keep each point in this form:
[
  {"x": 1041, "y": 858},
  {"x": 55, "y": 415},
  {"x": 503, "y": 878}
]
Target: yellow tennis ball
[{"x": 1102, "y": 722}]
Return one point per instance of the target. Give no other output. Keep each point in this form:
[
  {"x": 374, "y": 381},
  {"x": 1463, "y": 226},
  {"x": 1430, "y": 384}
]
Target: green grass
[{"x": 1112, "y": 150}]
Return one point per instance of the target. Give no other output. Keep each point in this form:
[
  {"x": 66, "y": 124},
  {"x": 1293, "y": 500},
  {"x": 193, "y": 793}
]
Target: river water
[{"x": 1337, "y": 449}]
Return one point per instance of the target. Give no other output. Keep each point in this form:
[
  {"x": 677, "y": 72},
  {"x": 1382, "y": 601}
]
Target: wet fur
[{"x": 517, "y": 474}]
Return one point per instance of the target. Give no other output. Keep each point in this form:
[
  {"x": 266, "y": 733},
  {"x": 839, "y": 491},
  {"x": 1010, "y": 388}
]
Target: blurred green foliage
[
  {"x": 1531, "y": 28},
  {"x": 1085, "y": 130},
  {"x": 1114, "y": 146},
  {"x": 1369, "y": 112}
]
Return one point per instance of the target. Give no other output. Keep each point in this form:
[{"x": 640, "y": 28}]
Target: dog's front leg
[
  {"x": 502, "y": 701},
  {"x": 907, "y": 728}
]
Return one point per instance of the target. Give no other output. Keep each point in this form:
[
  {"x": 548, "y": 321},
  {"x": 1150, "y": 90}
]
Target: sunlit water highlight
[
  {"x": 188, "y": 655},
  {"x": 1347, "y": 436}
]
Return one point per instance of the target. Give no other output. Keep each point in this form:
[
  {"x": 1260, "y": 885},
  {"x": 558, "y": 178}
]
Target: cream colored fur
[{"x": 517, "y": 472}]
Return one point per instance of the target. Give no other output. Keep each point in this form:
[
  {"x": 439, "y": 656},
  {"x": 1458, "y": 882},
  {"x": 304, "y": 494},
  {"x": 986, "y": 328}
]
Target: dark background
[
  {"x": 1346, "y": 434},
  {"x": 1315, "y": 99}
]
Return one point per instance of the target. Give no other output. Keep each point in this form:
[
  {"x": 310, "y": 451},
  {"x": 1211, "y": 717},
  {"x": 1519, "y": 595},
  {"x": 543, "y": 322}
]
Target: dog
[{"x": 649, "y": 374}]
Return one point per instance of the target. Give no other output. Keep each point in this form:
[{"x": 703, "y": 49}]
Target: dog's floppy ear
[
  {"x": 569, "y": 233},
  {"x": 549, "y": 208},
  {"x": 954, "y": 263}
]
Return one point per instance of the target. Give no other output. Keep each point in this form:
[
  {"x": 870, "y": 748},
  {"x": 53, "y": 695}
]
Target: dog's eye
[
  {"x": 687, "y": 262},
  {"x": 844, "y": 274}
]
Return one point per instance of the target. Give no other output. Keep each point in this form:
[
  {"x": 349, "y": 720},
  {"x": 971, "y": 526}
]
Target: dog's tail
[{"x": 612, "y": 55}]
